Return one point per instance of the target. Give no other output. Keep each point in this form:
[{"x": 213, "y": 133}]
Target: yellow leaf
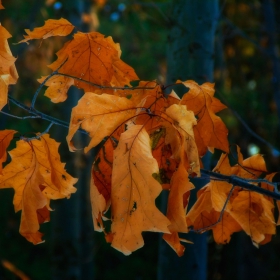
[
  {"x": 52, "y": 27},
  {"x": 134, "y": 191},
  {"x": 184, "y": 121}
]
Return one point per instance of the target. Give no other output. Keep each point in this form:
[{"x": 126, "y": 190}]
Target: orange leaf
[
  {"x": 174, "y": 242},
  {"x": 100, "y": 115},
  {"x": 36, "y": 174},
  {"x": 52, "y": 27},
  {"x": 176, "y": 210},
  {"x": 254, "y": 214},
  {"x": 91, "y": 57},
  {"x": 5, "y": 138},
  {"x": 223, "y": 230},
  {"x": 58, "y": 87},
  {"x": 134, "y": 191},
  {"x": 1, "y": 6},
  {"x": 184, "y": 121},
  {"x": 8, "y": 72},
  {"x": 210, "y": 128}
]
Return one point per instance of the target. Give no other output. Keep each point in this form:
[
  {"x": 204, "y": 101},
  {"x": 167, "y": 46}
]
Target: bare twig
[{"x": 43, "y": 116}]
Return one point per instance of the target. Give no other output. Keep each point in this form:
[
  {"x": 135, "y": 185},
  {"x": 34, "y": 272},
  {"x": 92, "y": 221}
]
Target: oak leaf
[
  {"x": 5, "y": 138},
  {"x": 100, "y": 115},
  {"x": 210, "y": 131},
  {"x": 52, "y": 27},
  {"x": 93, "y": 58},
  {"x": 37, "y": 175},
  {"x": 134, "y": 191}
]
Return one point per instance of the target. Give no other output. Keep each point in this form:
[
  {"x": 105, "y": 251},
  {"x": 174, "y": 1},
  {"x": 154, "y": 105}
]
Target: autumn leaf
[
  {"x": 134, "y": 191},
  {"x": 173, "y": 241},
  {"x": 8, "y": 72},
  {"x": 58, "y": 87},
  {"x": 52, "y": 27},
  {"x": 223, "y": 230},
  {"x": 93, "y": 58},
  {"x": 100, "y": 190},
  {"x": 98, "y": 206},
  {"x": 176, "y": 210},
  {"x": 184, "y": 122},
  {"x": 5, "y": 138},
  {"x": 254, "y": 214},
  {"x": 210, "y": 131},
  {"x": 99, "y": 115},
  {"x": 37, "y": 175},
  {"x": 1, "y": 6}
]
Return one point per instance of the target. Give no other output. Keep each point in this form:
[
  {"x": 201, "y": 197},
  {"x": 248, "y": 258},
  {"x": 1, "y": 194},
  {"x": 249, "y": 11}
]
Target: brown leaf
[
  {"x": 134, "y": 191},
  {"x": 52, "y": 27}
]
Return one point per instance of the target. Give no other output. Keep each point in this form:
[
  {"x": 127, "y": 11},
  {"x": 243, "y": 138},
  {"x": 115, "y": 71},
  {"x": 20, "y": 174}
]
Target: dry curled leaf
[{"x": 52, "y": 27}]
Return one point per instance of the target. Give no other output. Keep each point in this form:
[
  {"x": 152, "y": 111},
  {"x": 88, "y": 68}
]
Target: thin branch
[
  {"x": 37, "y": 136},
  {"x": 20, "y": 118},
  {"x": 254, "y": 134},
  {"x": 42, "y": 115},
  {"x": 244, "y": 183},
  {"x": 102, "y": 87}
]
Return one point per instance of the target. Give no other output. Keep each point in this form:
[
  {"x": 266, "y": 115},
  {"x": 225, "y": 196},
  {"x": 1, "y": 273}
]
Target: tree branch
[
  {"x": 244, "y": 183},
  {"x": 43, "y": 116}
]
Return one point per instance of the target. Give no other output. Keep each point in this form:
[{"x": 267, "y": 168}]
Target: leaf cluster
[{"x": 150, "y": 142}]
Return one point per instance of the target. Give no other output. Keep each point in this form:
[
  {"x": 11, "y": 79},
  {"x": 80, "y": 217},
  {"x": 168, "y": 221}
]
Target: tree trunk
[
  {"x": 72, "y": 232},
  {"x": 190, "y": 55}
]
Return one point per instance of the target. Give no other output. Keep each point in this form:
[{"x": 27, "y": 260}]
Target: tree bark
[{"x": 190, "y": 55}]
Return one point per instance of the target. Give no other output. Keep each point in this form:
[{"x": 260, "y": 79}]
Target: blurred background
[{"x": 246, "y": 70}]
